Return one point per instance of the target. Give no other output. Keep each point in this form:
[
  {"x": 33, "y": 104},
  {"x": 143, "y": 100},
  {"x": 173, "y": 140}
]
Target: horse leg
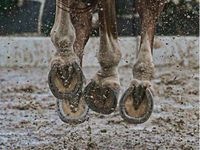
[
  {"x": 82, "y": 23},
  {"x": 101, "y": 93},
  {"x": 66, "y": 77},
  {"x": 136, "y": 104}
]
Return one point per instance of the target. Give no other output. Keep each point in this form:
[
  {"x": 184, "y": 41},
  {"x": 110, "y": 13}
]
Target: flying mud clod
[
  {"x": 136, "y": 105},
  {"x": 101, "y": 99}
]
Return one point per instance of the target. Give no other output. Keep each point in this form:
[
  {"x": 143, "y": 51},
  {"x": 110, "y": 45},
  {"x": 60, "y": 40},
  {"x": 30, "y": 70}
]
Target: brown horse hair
[{"x": 71, "y": 7}]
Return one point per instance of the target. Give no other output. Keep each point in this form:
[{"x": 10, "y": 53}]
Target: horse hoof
[
  {"x": 66, "y": 81},
  {"x": 136, "y": 107},
  {"x": 72, "y": 113},
  {"x": 101, "y": 99}
]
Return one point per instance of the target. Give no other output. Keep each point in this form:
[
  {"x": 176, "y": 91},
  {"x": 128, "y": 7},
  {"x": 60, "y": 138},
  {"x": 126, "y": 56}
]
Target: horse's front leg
[
  {"x": 66, "y": 77},
  {"x": 136, "y": 104},
  {"x": 101, "y": 93}
]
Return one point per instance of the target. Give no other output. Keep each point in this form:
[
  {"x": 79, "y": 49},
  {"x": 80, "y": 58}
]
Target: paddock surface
[
  {"x": 37, "y": 51},
  {"x": 29, "y": 120}
]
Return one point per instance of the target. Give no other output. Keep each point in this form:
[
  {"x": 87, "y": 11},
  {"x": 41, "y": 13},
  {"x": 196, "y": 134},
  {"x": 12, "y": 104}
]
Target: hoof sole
[
  {"x": 65, "y": 82},
  {"x": 100, "y": 99},
  {"x": 71, "y": 115},
  {"x": 133, "y": 111}
]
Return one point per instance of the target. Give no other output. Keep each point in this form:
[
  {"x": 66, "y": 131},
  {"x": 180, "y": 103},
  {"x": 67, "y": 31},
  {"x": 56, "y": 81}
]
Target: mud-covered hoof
[
  {"x": 72, "y": 114},
  {"x": 100, "y": 99},
  {"x": 136, "y": 107},
  {"x": 65, "y": 81}
]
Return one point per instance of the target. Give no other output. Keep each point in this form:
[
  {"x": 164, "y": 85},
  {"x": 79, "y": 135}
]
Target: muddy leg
[
  {"x": 101, "y": 93},
  {"x": 136, "y": 104},
  {"x": 66, "y": 77}
]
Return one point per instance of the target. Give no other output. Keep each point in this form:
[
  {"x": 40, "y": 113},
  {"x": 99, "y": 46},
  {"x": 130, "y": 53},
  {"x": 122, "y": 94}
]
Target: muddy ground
[{"x": 28, "y": 119}]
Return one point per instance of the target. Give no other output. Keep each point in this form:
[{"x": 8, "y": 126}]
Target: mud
[{"x": 29, "y": 120}]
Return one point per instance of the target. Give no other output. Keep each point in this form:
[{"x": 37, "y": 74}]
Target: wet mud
[{"x": 28, "y": 117}]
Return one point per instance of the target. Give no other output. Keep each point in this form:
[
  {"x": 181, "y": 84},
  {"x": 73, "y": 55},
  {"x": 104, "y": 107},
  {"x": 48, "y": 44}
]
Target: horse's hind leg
[
  {"x": 82, "y": 23},
  {"x": 136, "y": 104},
  {"x": 101, "y": 93},
  {"x": 66, "y": 77}
]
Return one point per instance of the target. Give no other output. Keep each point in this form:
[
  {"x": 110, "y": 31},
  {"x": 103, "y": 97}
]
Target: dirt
[{"x": 29, "y": 120}]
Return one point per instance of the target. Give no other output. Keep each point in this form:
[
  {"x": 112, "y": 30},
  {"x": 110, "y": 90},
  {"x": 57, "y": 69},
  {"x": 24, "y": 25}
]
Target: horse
[{"x": 70, "y": 33}]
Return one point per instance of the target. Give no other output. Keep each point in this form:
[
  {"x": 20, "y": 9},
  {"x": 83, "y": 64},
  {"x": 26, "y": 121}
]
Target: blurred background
[{"x": 36, "y": 17}]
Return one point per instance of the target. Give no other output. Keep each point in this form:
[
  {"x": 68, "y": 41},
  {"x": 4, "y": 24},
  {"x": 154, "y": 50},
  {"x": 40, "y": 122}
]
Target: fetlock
[
  {"x": 143, "y": 70},
  {"x": 64, "y": 58},
  {"x": 108, "y": 77}
]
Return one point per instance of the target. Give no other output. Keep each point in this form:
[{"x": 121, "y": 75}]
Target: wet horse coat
[{"x": 70, "y": 34}]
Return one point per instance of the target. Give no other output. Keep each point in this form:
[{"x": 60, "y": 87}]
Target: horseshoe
[
  {"x": 72, "y": 113},
  {"x": 100, "y": 99},
  {"x": 66, "y": 81},
  {"x": 136, "y": 105}
]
